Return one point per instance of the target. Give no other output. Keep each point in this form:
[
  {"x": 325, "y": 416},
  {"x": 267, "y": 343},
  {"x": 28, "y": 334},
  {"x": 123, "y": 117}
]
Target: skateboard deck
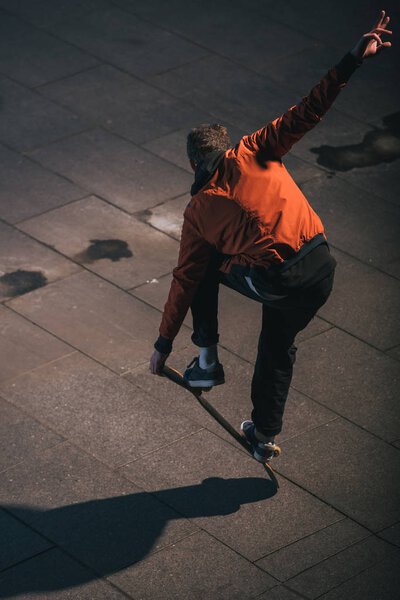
[{"x": 176, "y": 377}]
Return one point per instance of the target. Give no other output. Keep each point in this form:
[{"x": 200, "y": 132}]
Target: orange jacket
[{"x": 251, "y": 209}]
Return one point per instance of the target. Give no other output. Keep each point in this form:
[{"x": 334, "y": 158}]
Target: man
[{"x": 249, "y": 227}]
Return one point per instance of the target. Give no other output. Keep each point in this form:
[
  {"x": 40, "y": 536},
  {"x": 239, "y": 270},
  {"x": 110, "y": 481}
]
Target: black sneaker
[
  {"x": 263, "y": 452},
  {"x": 195, "y": 376}
]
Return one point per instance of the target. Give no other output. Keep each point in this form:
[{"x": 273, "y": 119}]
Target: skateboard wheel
[{"x": 277, "y": 451}]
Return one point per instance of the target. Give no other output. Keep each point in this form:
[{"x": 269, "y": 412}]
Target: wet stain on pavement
[
  {"x": 114, "y": 250},
  {"x": 144, "y": 215},
  {"x": 378, "y": 146},
  {"x": 20, "y": 282}
]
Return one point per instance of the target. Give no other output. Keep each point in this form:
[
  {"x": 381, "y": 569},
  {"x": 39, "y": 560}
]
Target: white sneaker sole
[{"x": 205, "y": 382}]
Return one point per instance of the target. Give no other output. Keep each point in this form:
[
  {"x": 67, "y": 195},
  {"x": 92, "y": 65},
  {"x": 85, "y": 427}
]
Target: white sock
[{"x": 208, "y": 357}]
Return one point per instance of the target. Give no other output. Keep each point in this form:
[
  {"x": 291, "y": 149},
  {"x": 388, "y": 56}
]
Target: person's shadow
[{"x": 109, "y": 534}]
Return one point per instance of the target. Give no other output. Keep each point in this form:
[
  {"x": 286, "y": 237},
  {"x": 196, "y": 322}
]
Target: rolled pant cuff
[{"x": 204, "y": 342}]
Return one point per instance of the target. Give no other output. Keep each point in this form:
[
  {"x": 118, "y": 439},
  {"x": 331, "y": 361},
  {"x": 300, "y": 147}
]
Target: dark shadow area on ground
[
  {"x": 378, "y": 146},
  {"x": 109, "y": 534}
]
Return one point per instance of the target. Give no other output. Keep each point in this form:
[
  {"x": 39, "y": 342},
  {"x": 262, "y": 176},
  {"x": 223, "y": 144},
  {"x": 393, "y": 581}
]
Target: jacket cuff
[
  {"x": 163, "y": 345},
  {"x": 346, "y": 67}
]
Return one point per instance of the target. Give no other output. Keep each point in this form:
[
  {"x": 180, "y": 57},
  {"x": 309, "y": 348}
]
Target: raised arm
[{"x": 278, "y": 136}]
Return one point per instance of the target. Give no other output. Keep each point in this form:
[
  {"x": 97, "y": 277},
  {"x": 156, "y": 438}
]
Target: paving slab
[
  {"x": 33, "y": 57},
  {"x": 28, "y": 189},
  {"x": 239, "y": 317},
  {"x": 18, "y": 543},
  {"x": 55, "y": 575},
  {"x": 301, "y": 71},
  {"x": 367, "y": 492},
  {"x": 393, "y": 268},
  {"x": 167, "y": 217},
  {"x": 106, "y": 240},
  {"x": 122, "y": 103},
  {"x": 21, "y": 435},
  {"x": 46, "y": 12},
  {"x": 219, "y": 573},
  {"x": 352, "y": 379},
  {"x": 115, "y": 169},
  {"x": 379, "y": 581},
  {"x": 356, "y": 222},
  {"x": 312, "y": 550},
  {"x": 94, "y": 514},
  {"x": 236, "y": 32},
  {"x": 24, "y": 346},
  {"x": 279, "y": 593},
  {"x": 30, "y": 120},
  {"x": 364, "y": 302},
  {"x": 230, "y": 493},
  {"x": 227, "y": 90},
  {"x": 391, "y": 534},
  {"x": 97, "y": 318},
  {"x": 126, "y": 41},
  {"x": 26, "y": 265},
  {"x": 346, "y": 564},
  {"x": 96, "y": 409}
]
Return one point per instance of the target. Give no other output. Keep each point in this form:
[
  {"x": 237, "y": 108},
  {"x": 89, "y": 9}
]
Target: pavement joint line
[
  {"x": 305, "y": 537},
  {"x": 353, "y": 335},
  {"x": 37, "y": 88},
  {"x": 45, "y": 212},
  {"x": 283, "y": 585},
  {"x": 306, "y": 431},
  {"x": 352, "y": 544},
  {"x": 163, "y": 447},
  {"x": 21, "y": 462},
  {"x": 391, "y": 348},
  {"x": 47, "y": 363},
  {"x": 29, "y": 152},
  {"x": 54, "y": 546},
  {"x": 32, "y": 160},
  {"x": 336, "y": 586},
  {"x": 336, "y": 173},
  {"x": 340, "y": 416},
  {"x": 28, "y": 558}
]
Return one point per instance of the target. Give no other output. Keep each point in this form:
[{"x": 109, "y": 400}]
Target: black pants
[{"x": 282, "y": 319}]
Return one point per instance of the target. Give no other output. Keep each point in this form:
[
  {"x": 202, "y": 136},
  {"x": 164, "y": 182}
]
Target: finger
[
  {"x": 382, "y": 29},
  {"x": 374, "y": 36},
  {"x": 380, "y": 19}
]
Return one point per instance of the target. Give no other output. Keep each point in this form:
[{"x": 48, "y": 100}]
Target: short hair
[{"x": 206, "y": 138}]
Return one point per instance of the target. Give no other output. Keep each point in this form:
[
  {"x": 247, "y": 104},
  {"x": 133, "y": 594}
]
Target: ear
[{"x": 193, "y": 165}]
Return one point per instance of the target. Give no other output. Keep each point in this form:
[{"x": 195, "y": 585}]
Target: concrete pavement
[{"x": 113, "y": 483}]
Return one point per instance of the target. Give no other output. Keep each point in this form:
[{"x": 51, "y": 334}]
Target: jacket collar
[{"x": 206, "y": 169}]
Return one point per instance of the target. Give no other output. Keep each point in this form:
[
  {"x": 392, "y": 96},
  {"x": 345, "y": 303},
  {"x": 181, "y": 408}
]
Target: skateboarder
[{"x": 249, "y": 227}]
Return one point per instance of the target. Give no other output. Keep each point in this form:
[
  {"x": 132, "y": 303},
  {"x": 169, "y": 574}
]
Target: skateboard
[{"x": 177, "y": 377}]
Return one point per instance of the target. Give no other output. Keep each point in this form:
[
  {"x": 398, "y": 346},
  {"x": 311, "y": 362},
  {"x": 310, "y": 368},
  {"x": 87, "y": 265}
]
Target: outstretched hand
[{"x": 371, "y": 42}]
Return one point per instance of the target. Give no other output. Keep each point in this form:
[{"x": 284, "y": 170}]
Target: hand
[
  {"x": 157, "y": 362},
  {"x": 371, "y": 43}
]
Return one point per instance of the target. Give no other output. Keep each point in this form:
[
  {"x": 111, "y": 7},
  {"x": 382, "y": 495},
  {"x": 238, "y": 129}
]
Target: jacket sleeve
[
  {"x": 279, "y": 135},
  {"x": 194, "y": 256}
]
